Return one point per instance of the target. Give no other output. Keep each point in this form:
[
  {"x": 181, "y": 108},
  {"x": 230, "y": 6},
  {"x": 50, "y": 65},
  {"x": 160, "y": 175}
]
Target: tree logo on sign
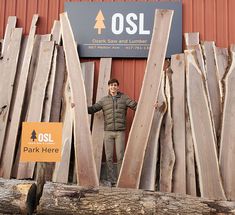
[
  {"x": 33, "y": 135},
  {"x": 99, "y": 24}
]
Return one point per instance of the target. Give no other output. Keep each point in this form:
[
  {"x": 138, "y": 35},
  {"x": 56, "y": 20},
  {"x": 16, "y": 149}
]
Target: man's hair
[{"x": 113, "y": 80}]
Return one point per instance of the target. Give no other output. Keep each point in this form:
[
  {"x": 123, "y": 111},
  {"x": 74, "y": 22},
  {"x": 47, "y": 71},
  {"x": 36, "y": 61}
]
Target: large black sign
[{"x": 120, "y": 29}]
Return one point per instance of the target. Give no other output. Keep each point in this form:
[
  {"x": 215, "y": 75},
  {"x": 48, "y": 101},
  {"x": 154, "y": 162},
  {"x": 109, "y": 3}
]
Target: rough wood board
[
  {"x": 134, "y": 155},
  {"x": 20, "y": 91},
  {"x": 213, "y": 83},
  {"x": 191, "y": 39},
  {"x": 7, "y": 78},
  {"x": 167, "y": 155},
  {"x": 227, "y": 143},
  {"x": 85, "y": 163},
  {"x": 56, "y": 32},
  {"x": 11, "y": 23},
  {"x": 202, "y": 130},
  {"x": 148, "y": 175},
  {"x": 61, "y": 171},
  {"x": 98, "y": 121},
  {"x": 26, "y": 169},
  {"x": 178, "y": 117}
]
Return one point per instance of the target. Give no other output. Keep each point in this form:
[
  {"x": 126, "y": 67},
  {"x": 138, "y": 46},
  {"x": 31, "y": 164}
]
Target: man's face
[{"x": 113, "y": 88}]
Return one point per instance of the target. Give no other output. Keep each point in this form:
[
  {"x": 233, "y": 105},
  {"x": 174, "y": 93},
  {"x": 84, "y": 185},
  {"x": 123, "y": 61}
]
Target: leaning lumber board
[
  {"x": 227, "y": 142},
  {"x": 148, "y": 174},
  {"x": 7, "y": 78},
  {"x": 56, "y": 32},
  {"x": 134, "y": 155},
  {"x": 26, "y": 169},
  {"x": 61, "y": 172},
  {"x": 58, "y": 87},
  {"x": 73, "y": 200},
  {"x": 178, "y": 117},
  {"x": 213, "y": 83},
  {"x": 191, "y": 39},
  {"x": 17, "y": 197},
  {"x": 167, "y": 155},
  {"x": 20, "y": 92},
  {"x": 85, "y": 163},
  {"x": 11, "y": 23},
  {"x": 98, "y": 121},
  {"x": 202, "y": 130}
]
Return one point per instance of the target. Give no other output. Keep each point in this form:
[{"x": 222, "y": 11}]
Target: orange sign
[{"x": 41, "y": 141}]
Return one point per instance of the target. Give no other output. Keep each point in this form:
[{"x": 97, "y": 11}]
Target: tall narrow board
[
  {"x": 16, "y": 110},
  {"x": 213, "y": 82},
  {"x": 191, "y": 39},
  {"x": 227, "y": 142},
  {"x": 26, "y": 169},
  {"x": 167, "y": 155},
  {"x": 134, "y": 156},
  {"x": 7, "y": 78},
  {"x": 85, "y": 163},
  {"x": 98, "y": 122},
  {"x": 202, "y": 130},
  {"x": 11, "y": 23},
  {"x": 178, "y": 116},
  {"x": 61, "y": 172},
  {"x": 148, "y": 175}
]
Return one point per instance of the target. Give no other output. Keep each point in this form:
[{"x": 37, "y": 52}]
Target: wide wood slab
[{"x": 134, "y": 155}]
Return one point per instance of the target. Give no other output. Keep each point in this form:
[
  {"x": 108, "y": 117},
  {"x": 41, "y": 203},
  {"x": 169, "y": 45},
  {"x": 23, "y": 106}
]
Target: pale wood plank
[
  {"x": 202, "y": 130},
  {"x": 7, "y": 79},
  {"x": 227, "y": 142},
  {"x": 134, "y": 156},
  {"x": 178, "y": 116},
  {"x": 191, "y": 39},
  {"x": 213, "y": 83},
  {"x": 26, "y": 169},
  {"x": 148, "y": 175},
  {"x": 56, "y": 32},
  {"x": 167, "y": 155},
  {"x": 61, "y": 171},
  {"x": 98, "y": 121},
  {"x": 14, "y": 124},
  {"x": 11, "y": 23},
  {"x": 85, "y": 163}
]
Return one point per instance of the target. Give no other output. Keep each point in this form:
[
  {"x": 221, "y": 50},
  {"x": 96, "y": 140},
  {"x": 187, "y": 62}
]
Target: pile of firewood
[{"x": 184, "y": 145}]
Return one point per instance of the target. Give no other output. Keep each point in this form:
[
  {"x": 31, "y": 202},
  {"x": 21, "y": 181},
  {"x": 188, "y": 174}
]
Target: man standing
[{"x": 114, "y": 107}]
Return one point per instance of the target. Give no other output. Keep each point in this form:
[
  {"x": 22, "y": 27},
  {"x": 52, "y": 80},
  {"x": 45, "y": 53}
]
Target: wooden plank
[
  {"x": 213, "y": 83},
  {"x": 85, "y": 163},
  {"x": 190, "y": 158},
  {"x": 58, "y": 86},
  {"x": 98, "y": 120},
  {"x": 178, "y": 116},
  {"x": 61, "y": 172},
  {"x": 134, "y": 156},
  {"x": 7, "y": 79},
  {"x": 11, "y": 23},
  {"x": 203, "y": 135},
  {"x": 26, "y": 169},
  {"x": 191, "y": 39},
  {"x": 167, "y": 155},
  {"x": 49, "y": 90},
  {"x": 56, "y": 32},
  {"x": 226, "y": 155},
  {"x": 148, "y": 175},
  {"x": 20, "y": 91},
  {"x": 221, "y": 61}
]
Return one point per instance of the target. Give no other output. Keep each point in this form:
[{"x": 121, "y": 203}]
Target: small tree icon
[
  {"x": 33, "y": 135},
  {"x": 99, "y": 22}
]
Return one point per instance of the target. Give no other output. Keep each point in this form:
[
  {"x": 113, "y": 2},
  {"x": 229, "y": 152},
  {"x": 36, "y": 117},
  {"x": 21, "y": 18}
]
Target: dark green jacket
[{"x": 114, "y": 111}]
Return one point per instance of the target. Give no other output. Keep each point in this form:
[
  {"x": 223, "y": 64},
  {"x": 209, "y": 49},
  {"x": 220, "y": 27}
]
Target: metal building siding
[{"x": 214, "y": 19}]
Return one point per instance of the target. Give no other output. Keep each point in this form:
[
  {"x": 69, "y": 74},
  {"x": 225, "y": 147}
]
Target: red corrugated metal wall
[{"x": 214, "y": 19}]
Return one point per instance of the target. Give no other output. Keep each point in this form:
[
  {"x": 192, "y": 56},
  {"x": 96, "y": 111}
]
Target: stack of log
[{"x": 184, "y": 145}]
